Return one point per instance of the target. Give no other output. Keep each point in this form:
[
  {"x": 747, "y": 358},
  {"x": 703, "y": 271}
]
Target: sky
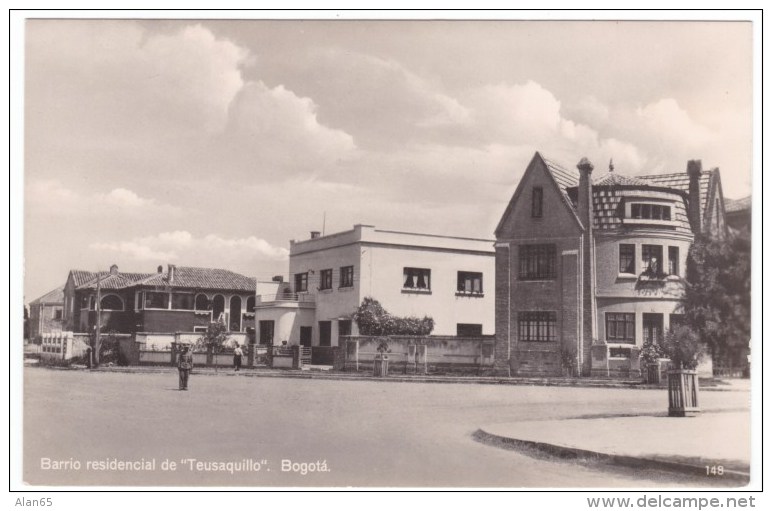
[{"x": 214, "y": 142}]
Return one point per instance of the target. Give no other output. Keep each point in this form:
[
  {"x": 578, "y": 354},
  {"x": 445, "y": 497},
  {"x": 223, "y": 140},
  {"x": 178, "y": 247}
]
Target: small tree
[
  {"x": 682, "y": 346},
  {"x": 214, "y": 339}
]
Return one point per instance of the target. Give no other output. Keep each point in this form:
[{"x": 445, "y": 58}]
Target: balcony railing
[{"x": 286, "y": 297}]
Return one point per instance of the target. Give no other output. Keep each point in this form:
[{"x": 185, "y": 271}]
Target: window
[
  {"x": 344, "y": 327},
  {"x": 537, "y": 196},
  {"x": 417, "y": 278},
  {"x": 469, "y": 282},
  {"x": 301, "y": 282},
  {"x": 652, "y": 328},
  {"x": 626, "y": 258},
  {"x": 650, "y": 212},
  {"x": 346, "y": 276},
  {"x": 57, "y": 313},
  {"x": 154, "y": 300},
  {"x": 672, "y": 261},
  {"x": 111, "y": 303},
  {"x": 620, "y": 327},
  {"x": 251, "y": 304},
  {"x": 325, "y": 279},
  {"x": 651, "y": 256},
  {"x": 537, "y": 262},
  {"x": 183, "y": 301},
  {"x": 537, "y": 326},
  {"x": 201, "y": 329},
  {"x": 468, "y": 329},
  {"x": 619, "y": 353},
  {"x": 202, "y": 302}
]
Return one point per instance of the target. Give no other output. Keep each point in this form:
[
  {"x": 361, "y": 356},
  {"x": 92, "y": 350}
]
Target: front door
[
  {"x": 305, "y": 336},
  {"x": 325, "y": 333},
  {"x": 652, "y": 328},
  {"x": 266, "y": 331}
]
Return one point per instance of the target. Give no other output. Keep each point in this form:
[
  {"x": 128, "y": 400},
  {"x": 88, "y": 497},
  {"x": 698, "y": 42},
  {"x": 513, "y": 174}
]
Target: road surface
[{"x": 243, "y": 431}]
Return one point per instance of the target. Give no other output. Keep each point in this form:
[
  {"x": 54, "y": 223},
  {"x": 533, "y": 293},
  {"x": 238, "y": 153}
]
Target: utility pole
[{"x": 97, "y": 333}]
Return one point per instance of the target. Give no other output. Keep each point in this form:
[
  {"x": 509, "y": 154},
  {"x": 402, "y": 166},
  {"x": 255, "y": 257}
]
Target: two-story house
[
  {"x": 182, "y": 299},
  {"x": 447, "y": 278},
  {"x": 591, "y": 269}
]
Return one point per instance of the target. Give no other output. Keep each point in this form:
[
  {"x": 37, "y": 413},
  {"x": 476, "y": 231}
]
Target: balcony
[{"x": 285, "y": 298}]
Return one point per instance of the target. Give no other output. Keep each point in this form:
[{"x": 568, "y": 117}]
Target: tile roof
[
  {"x": 680, "y": 181},
  {"x": 203, "y": 278},
  {"x": 108, "y": 281},
  {"x": 616, "y": 179},
  {"x": 54, "y": 296},
  {"x": 565, "y": 179},
  {"x": 80, "y": 277}
]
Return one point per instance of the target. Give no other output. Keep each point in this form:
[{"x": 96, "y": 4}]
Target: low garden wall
[{"x": 432, "y": 354}]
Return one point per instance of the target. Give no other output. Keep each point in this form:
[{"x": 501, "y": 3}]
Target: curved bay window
[
  {"x": 111, "y": 303},
  {"x": 620, "y": 327}
]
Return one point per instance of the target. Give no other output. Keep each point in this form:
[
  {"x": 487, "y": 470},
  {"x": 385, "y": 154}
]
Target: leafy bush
[
  {"x": 213, "y": 341},
  {"x": 651, "y": 353},
  {"x": 373, "y": 319},
  {"x": 682, "y": 345}
]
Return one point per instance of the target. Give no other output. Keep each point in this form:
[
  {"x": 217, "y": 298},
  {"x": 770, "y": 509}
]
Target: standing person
[
  {"x": 237, "y": 357},
  {"x": 184, "y": 366}
]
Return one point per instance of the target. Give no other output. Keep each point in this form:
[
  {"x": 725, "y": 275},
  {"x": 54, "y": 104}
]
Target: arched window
[
  {"x": 202, "y": 302},
  {"x": 251, "y": 304},
  {"x": 111, "y": 303},
  {"x": 235, "y": 313},
  {"x": 218, "y": 307}
]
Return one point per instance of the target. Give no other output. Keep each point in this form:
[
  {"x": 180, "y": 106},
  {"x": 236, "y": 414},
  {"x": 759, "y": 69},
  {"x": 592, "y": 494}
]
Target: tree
[
  {"x": 683, "y": 347},
  {"x": 717, "y": 301},
  {"x": 214, "y": 338}
]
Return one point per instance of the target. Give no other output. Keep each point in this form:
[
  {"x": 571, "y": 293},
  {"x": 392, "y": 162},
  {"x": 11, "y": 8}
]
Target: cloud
[
  {"x": 378, "y": 100},
  {"x": 184, "y": 248},
  {"x": 274, "y": 130},
  {"x": 52, "y": 196}
]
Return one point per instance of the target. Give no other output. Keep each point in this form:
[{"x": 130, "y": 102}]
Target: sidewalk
[
  {"x": 685, "y": 445},
  {"x": 266, "y": 372}
]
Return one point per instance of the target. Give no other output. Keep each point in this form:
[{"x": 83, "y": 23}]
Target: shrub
[
  {"x": 373, "y": 319},
  {"x": 651, "y": 353},
  {"x": 213, "y": 341},
  {"x": 682, "y": 345}
]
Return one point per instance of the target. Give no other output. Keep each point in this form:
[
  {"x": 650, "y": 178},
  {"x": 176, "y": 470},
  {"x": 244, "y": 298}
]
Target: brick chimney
[
  {"x": 315, "y": 234},
  {"x": 172, "y": 271},
  {"x": 694, "y": 169},
  {"x": 584, "y": 207},
  {"x": 114, "y": 269},
  {"x": 160, "y": 269},
  {"x": 278, "y": 278}
]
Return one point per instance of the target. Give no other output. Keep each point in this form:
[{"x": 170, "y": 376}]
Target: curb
[
  {"x": 340, "y": 376},
  {"x": 635, "y": 462}
]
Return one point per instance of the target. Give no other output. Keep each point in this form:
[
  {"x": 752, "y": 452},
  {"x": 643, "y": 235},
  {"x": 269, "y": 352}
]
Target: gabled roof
[
  {"x": 53, "y": 296},
  {"x": 81, "y": 277},
  {"x": 202, "y": 278},
  {"x": 561, "y": 178}
]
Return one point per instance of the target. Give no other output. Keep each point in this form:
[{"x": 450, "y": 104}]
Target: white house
[{"x": 448, "y": 278}]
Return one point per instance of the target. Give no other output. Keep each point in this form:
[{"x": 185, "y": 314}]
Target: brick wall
[{"x": 502, "y": 346}]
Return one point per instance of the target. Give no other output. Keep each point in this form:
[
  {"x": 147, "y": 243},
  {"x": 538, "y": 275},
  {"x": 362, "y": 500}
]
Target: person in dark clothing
[
  {"x": 184, "y": 366},
  {"x": 237, "y": 358}
]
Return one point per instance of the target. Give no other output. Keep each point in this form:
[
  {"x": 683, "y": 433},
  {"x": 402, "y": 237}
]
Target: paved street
[{"x": 369, "y": 433}]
